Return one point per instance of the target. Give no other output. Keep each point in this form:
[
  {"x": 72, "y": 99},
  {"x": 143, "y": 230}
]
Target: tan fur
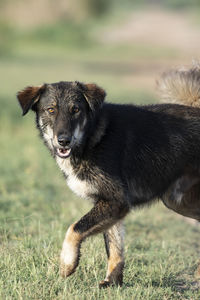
[
  {"x": 115, "y": 245},
  {"x": 70, "y": 253},
  {"x": 71, "y": 246},
  {"x": 181, "y": 86}
]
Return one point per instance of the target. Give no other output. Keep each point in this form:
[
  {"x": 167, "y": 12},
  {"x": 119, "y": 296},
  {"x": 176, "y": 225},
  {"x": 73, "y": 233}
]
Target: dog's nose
[{"x": 64, "y": 140}]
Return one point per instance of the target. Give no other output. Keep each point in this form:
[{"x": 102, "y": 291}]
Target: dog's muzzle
[{"x": 64, "y": 141}]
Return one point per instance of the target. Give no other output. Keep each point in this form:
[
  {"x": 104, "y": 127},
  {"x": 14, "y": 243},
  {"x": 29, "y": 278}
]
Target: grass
[{"x": 36, "y": 207}]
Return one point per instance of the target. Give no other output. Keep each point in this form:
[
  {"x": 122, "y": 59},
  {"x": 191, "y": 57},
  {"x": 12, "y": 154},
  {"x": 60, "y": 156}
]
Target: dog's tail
[{"x": 181, "y": 86}]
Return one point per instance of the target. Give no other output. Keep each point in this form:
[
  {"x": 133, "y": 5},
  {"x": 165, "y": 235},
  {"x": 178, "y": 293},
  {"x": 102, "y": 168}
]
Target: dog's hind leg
[
  {"x": 114, "y": 243},
  {"x": 184, "y": 196},
  {"x": 100, "y": 218}
]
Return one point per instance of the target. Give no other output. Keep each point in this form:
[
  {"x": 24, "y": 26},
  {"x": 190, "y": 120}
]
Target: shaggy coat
[{"x": 120, "y": 156}]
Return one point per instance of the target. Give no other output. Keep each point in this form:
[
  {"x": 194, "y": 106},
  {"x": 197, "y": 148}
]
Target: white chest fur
[{"x": 82, "y": 188}]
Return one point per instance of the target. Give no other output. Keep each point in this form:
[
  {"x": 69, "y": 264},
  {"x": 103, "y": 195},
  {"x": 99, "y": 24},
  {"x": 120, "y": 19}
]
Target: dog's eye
[
  {"x": 51, "y": 110},
  {"x": 75, "y": 109}
]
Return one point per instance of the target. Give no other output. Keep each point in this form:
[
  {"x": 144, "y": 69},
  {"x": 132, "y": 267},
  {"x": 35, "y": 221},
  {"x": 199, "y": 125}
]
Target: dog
[{"x": 120, "y": 156}]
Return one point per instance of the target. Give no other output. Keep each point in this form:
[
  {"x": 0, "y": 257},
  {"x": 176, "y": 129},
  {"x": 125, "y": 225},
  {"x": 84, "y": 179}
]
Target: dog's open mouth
[{"x": 63, "y": 153}]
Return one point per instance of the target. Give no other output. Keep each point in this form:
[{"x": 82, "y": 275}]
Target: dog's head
[{"x": 62, "y": 111}]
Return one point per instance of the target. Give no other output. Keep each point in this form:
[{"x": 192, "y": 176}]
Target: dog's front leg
[
  {"x": 101, "y": 217},
  {"x": 114, "y": 242}
]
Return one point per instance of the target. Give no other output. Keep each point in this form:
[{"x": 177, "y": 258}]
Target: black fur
[
  {"x": 133, "y": 153},
  {"x": 142, "y": 149},
  {"x": 120, "y": 156}
]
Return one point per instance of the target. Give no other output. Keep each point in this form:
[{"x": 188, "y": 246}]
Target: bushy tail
[{"x": 181, "y": 86}]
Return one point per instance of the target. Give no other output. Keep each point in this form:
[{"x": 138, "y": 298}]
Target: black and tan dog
[{"x": 120, "y": 156}]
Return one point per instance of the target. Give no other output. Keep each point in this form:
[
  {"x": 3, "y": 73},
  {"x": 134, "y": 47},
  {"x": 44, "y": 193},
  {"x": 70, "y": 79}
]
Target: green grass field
[{"x": 36, "y": 207}]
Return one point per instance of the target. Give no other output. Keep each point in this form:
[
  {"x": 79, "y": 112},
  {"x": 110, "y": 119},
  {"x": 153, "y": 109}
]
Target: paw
[
  {"x": 68, "y": 259},
  {"x": 67, "y": 270},
  {"x": 114, "y": 275},
  {"x": 70, "y": 253},
  {"x": 111, "y": 282},
  {"x": 104, "y": 284}
]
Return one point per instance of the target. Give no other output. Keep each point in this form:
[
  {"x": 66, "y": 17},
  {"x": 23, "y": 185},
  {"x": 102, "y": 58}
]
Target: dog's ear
[
  {"x": 93, "y": 94},
  {"x": 30, "y": 96}
]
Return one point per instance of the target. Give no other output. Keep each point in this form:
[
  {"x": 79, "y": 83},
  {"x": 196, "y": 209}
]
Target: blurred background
[{"x": 122, "y": 46}]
